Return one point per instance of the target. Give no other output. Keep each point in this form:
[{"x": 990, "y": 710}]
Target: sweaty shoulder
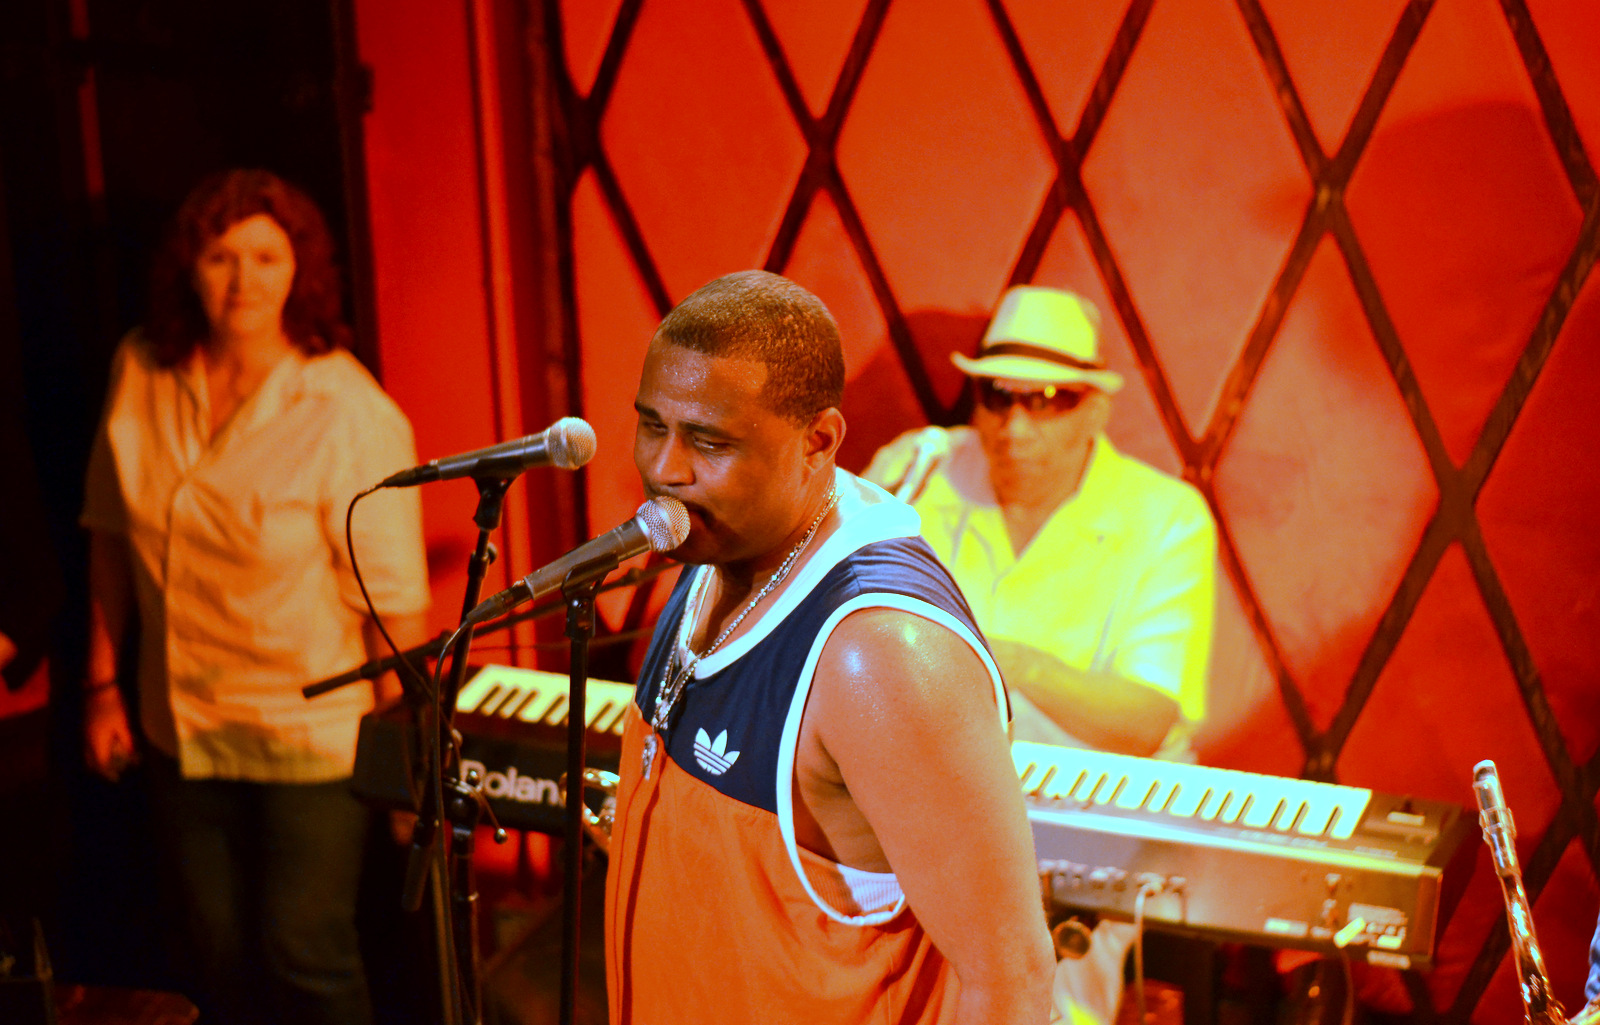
[
  {"x": 905, "y": 617},
  {"x": 886, "y": 670},
  {"x": 879, "y": 638}
]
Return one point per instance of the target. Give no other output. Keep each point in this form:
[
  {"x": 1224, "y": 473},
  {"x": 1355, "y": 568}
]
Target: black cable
[
  {"x": 435, "y": 728},
  {"x": 417, "y": 676},
  {"x": 1148, "y": 888}
]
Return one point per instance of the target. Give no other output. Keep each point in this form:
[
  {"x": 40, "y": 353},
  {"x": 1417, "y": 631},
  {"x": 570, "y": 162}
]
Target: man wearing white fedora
[{"x": 1091, "y": 574}]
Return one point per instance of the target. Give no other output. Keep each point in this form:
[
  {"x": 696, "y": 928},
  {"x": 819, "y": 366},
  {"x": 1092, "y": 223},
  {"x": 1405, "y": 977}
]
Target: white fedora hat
[{"x": 1044, "y": 335}]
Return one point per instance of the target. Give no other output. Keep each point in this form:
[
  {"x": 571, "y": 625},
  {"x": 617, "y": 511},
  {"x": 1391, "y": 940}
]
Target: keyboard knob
[{"x": 1071, "y": 938}]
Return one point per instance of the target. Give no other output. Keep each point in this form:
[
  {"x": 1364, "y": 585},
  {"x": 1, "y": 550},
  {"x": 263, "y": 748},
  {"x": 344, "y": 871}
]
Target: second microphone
[
  {"x": 568, "y": 444},
  {"x": 660, "y": 525}
]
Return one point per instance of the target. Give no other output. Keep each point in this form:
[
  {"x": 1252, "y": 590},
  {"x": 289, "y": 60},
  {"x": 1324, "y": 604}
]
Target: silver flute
[{"x": 1500, "y": 833}]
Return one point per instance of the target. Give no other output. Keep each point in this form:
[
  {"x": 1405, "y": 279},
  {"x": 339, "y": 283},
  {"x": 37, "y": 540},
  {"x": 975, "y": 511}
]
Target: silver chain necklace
[{"x": 676, "y": 678}]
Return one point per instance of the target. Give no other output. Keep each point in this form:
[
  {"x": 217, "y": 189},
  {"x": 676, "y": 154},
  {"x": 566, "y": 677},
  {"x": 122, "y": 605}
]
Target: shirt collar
[
  {"x": 1100, "y": 502},
  {"x": 276, "y": 392}
]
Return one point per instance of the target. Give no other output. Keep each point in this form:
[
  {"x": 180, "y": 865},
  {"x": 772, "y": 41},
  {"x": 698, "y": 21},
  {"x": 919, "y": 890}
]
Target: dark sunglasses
[{"x": 997, "y": 398}]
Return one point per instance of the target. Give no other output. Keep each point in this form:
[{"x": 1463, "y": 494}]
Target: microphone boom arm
[{"x": 434, "y": 647}]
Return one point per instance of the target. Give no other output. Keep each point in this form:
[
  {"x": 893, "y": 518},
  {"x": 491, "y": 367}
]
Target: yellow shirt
[
  {"x": 1120, "y": 579},
  {"x": 242, "y": 583}
]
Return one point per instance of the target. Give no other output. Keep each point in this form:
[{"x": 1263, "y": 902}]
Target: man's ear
[{"x": 823, "y": 436}]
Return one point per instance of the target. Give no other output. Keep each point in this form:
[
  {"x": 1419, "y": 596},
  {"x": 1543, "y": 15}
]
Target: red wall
[
  {"x": 1344, "y": 251},
  {"x": 449, "y": 244}
]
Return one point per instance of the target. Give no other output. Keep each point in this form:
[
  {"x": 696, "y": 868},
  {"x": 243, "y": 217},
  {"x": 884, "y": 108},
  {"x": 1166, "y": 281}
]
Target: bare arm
[
  {"x": 1161, "y": 644},
  {"x": 904, "y": 466},
  {"x": 108, "y": 739},
  {"x": 905, "y": 712},
  {"x": 1105, "y": 711}
]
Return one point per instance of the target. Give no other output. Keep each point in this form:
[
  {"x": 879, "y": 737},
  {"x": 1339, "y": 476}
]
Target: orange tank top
[
  {"x": 714, "y": 913},
  {"x": 711, "y": 923}
]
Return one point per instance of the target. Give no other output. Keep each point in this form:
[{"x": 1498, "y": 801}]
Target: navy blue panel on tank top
[{"x": 728, "y": 726}]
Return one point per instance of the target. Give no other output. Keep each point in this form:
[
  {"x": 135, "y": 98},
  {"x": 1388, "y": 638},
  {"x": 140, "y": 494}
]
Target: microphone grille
[
  {"x": 572, "y": 442},
  {"x": 665, "y": 521}
]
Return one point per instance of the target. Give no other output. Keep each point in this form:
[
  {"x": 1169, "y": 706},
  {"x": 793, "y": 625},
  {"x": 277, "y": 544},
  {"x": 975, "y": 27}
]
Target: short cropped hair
[
  {"x": 766, "y": 318},
  {"x": 312, "y": 319}
]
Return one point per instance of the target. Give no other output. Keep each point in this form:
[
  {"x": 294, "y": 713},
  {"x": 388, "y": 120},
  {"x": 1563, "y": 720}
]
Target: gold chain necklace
[{"x": 676, "y": 678}]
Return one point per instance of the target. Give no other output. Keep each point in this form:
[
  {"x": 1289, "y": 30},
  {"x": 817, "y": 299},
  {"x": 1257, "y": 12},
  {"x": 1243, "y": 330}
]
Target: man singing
[{"x": 818, "y": 819}]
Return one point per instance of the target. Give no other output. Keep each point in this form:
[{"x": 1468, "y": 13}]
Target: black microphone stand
[
  {"x": 448, "y": 797},
  {"x": 579, "y": 589},
  {"x": 434, "y": 648},
  {"x": 460, "y": 801}
]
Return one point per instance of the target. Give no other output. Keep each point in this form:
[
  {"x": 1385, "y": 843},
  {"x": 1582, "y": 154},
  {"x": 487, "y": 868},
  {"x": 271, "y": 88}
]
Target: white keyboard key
[
  {"x": 1266, "y": 794},
  {"x": 555, "y": 713},
  {"x": 510, "y": 700},
  {"x": 1288, "y": 812},
  {"x": 1161, "y": 795},
  {"x": 1190, "y": 783},
  {"x": 607, "y": 718},
  {"x": 1261, "y": 810},
  {"x": 1095, "y": 787},
  {"x": 1186, "y": 802},
  {"x": 1064, "y": 783},
  {"x": 538, "y": 705},
  {"x": 486, "y": 698},
  {"x": 1318, "y": 813},
  {"x": 1136, "y": 786},
  {"x": 1215, "y": 800},
  {"x": 1180, "y": 791},
  {"x": 1346, "y": 818},
  {"x": 476, "y": 691}
]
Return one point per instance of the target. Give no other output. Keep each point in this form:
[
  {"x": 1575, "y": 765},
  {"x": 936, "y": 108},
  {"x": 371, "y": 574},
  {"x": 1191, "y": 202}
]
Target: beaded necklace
[{"x": 676, "y": 678}]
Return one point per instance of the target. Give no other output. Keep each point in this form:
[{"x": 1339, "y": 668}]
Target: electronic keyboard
[
  {"x": 513, "y": 726},
  {"x": 1239, "y": 855}
]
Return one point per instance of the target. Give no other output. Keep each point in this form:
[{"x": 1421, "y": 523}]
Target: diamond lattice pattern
[{"x": 1345, "y": 253}]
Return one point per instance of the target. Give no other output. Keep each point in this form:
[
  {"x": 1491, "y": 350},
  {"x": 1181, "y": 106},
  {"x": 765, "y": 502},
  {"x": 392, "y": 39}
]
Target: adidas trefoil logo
[{"x": 713, "y": 755}]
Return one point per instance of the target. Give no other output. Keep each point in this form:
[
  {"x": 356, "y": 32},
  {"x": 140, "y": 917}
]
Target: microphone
[
  {"x": 568, "y": 443},
  {"x": 660, "y": 525},
  {"x": 1498, "y": 830},
  {"x": 931, "y": 447}
]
